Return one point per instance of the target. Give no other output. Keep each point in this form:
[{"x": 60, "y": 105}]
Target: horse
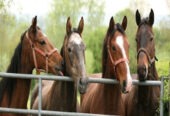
[
  {"x": 34, "y": 51},
  {"x": 144, "y": 100},
  {"x": 62, "y": 95},
  {"x": 106, "y": 98}
]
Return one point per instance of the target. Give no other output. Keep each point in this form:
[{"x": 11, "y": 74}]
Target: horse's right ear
[
  {"x": 124, "y": 23},
  {"x": 111, "y": 25},
  {"x": 151, "y": 17},
  {"x": 138, "y": 18},
  {"x": 68, "y": 26},
  {"x": 81, "y": 26},
  {"x": 34, "y": 24}
]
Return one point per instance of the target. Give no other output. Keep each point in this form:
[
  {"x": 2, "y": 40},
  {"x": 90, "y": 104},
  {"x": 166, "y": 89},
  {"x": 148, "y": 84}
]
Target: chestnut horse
[
  {"x": 33, "y": 51},
  {"x": 106, "y": 98},
  {"x": 62, "y": 95},
  {"x": 144, "y": 100}
]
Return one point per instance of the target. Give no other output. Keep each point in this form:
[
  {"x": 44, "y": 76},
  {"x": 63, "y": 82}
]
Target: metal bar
[
  {"x": 45, "y": 112},
  {"x": 40, "y": 96},
  {"x": 64, "y": 78},
  {"x": 102, "y": 80},
  {"x": 90, "y": 80},
  {"x": 32, "y": 76},
  {"x": 161, "y": 97},
  {"x": 146, "y": 83}
]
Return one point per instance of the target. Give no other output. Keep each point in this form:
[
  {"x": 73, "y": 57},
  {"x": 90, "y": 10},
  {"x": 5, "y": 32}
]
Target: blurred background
[{"x": 16, "y": 17}]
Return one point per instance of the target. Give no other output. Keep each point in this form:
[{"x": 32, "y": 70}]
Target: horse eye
[
  {"x": 136, "y": 40},
  {"x": 113, "y": 48},
  {"x": 69, "y": 49},
  {"x": 151, "y": 38},
  {"x": 42, "y": 42}
]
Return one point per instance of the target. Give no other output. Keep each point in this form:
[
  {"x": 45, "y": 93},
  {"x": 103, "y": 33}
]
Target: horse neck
[
  {"x": 63, "y": 96},
  {"x": 18, "y": 90},
  {"x": 112, "y": 94},
  {"x": 149, "y": 94}
]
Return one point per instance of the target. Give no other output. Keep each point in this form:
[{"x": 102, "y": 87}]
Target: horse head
[
  {"x": 145, "y": 45},
  {"x": 73, "y": 52},
  {"x": 116, "y": 54},
  {"x": 43, "y": 55}
]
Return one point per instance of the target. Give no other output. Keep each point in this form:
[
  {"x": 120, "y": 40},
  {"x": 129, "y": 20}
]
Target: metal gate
[{"x": 40, "y": 112}]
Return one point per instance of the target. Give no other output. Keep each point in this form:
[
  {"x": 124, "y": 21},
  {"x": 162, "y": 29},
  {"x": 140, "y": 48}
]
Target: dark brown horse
[
  {"x": 144, "y": 100},
  {"x": 62, "y": 95},
  {"x": 33, "y": 51},
  {"x": 106, "y": 98}
]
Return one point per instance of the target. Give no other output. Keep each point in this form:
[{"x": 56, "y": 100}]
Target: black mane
[
  {"x": 8, "y": 84},
  {"x": 144, "y": 21}
]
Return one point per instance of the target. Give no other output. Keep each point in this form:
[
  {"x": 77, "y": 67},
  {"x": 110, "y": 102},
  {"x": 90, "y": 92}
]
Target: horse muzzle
[
  {"x": 142, "y": 72},
  {"x": 82, "y": 85}
]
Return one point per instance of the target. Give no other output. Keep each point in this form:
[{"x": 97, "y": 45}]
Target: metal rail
[
  {"x": 64, "y": 78},
  {"x": 46, "y": 112}
]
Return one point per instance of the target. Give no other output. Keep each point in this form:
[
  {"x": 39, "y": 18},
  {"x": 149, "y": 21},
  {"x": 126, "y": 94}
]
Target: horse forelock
[{"x": 144, "y": 21}]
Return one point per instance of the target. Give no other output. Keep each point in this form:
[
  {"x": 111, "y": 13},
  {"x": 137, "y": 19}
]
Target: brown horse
[
  {"x": 144, "y": 100},
  {"x": 104, "y": 98},
  {"x": 62, "y": 95},
  {"x": 33, "y": 51}
]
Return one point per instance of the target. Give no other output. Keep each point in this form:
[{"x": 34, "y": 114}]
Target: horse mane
[
  {"x": 8, "y": 84},
  {"x": 107, "y": 38},
  {"x": 144, "y": 21}
]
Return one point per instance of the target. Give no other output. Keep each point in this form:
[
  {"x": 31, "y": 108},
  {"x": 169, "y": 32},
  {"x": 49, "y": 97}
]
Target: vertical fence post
[
  {"x": 161, "y": 96},
  {"x": 40, "y": 96}
]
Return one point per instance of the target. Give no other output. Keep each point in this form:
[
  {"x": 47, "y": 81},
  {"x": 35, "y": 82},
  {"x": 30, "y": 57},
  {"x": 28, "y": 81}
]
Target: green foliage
[
  {"x": 94, "y": 40},
  {"x": 10, "y": 32}
]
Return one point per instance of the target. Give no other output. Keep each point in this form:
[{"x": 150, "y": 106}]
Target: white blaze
[
  {"x": 44, "y": 35},
  {"x": 75, "y": 38},
  {"x": 119, "y": 41}
]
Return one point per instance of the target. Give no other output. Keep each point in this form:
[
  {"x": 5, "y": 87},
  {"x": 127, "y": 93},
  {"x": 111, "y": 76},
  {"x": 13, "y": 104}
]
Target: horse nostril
[
  {"x": 57, "y": 68},
  {"x": 142, "y": 72},
  {"x": 62, "y": 63}
]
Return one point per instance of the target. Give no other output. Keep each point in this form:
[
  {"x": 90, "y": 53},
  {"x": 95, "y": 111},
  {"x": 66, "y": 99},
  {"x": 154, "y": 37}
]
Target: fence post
[
  {"x": 40, "y": 96},
  {"x": 161, "y": 96}
]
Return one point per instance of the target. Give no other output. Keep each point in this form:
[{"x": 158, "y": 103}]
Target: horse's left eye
[
  {"x": 42, "y": 42},
  {"x": 151, "y": 38},
  {"x": 113, "y": 48}
]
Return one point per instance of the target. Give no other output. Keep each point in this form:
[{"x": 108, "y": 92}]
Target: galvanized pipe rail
[
  {"x": 47, "y": 112},
  {"x": 64, "y": 78}
]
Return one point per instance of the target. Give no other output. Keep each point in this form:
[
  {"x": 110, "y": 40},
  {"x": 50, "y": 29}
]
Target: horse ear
[
  {"x": 124, "y": 23},
  {"x": 151, "y": 17},
  {"x": 81, "y": 26},
  {"x": 111, "y": 25},
  {"x": 68, "y": 26},
  {"x": 34, "y": 24},
  {"x": 138, "y": 18}
]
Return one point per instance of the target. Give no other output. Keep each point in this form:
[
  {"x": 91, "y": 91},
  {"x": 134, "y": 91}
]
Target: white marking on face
[
  {"x": 119, "y": 41},
  {"x": 75, "y": 38},
  {"x": 44, "y": 35}
]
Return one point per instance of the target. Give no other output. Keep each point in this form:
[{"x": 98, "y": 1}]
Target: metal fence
[{"x": 40, "y": 112}]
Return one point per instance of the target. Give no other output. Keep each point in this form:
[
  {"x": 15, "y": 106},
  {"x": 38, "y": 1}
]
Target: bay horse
[
  {"x": 144, "y": 100},
  {"x": 62, "y": 95},
  {"x": 33, "y": 51},
  {"x": 106, "y": 98}
]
